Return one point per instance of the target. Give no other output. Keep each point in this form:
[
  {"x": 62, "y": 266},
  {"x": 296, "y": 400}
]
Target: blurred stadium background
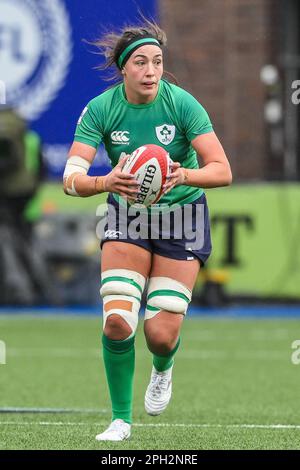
[{"x": 241, "y": 60}]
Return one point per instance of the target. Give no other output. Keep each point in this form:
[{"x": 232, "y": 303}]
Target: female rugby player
[{"x": 143, "y": 108}]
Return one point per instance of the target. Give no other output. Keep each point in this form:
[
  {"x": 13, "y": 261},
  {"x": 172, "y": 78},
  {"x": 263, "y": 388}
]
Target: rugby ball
[{"x": 150, "y": 165}]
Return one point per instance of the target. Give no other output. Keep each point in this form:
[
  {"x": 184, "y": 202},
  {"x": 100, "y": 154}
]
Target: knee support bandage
[
  {"x": 165, "y": 293},
  {"x": 121, "y": 291}
]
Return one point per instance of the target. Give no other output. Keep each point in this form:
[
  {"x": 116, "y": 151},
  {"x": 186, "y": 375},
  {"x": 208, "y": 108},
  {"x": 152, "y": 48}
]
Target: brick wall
[{"x": 216, "y": 49}]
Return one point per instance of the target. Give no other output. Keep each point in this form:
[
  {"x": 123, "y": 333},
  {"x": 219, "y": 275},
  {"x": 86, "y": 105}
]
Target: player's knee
[
  {"x": 116, "y": 328},
  {"x": 121, "y": 292}
]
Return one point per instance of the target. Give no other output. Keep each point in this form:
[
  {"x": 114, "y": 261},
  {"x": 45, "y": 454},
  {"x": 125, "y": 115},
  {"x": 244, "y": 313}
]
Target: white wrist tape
[{"x": 75, "y": 164}]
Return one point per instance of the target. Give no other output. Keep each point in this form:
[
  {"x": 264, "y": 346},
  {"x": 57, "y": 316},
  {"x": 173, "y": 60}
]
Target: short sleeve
[
  {"x": 195, "y": 118},
  {"x": 88, "y": 130}
]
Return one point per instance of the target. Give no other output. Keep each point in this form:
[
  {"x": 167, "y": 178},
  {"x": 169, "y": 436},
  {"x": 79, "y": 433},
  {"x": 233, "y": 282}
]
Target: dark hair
[{"x": 111, "y": 43}]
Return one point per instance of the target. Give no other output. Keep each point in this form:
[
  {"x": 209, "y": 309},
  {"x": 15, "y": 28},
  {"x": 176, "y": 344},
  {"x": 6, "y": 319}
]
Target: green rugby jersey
[{"x": 172, "y": 120}]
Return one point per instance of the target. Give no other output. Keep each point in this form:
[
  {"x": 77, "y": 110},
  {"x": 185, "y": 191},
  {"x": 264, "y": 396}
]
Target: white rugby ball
[{"x": 150, "y": 165}]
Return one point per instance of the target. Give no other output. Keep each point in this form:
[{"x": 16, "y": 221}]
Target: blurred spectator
[
  {"x": 21, "y": 166},
  {"x": 23, "y": 278}
]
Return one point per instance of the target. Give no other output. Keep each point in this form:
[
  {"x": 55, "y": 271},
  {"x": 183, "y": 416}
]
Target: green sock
[
  {"x": 162, "y": 363},
  {"x": 119, "y": 361}
]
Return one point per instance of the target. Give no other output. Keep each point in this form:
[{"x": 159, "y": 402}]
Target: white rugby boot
[
  {"x": 118, "y": 430},
  {"x": 159, "y": 391}
]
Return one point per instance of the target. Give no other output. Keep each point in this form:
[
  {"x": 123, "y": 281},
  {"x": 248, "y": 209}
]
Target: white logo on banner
[{"x": 35, "y": 52}]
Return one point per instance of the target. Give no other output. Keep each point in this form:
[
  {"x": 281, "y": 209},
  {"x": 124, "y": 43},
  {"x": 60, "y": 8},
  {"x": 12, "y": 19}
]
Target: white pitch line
[
  {"x": 11, "y": 409},
  {"x": 58, "y": 352},
  {"x": 201, "y": 354},
  {"x": 170, "y": 425},
  {"x": 250, "y": 426}
]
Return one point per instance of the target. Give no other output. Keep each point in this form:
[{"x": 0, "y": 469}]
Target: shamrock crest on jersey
[{"x": 165, "y": 133}]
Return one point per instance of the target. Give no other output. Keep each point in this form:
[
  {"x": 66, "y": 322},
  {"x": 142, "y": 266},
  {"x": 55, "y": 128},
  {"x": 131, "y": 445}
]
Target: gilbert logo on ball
[
  {"x": 150, "y": 164},
  {"x": 35, "y": 53}
]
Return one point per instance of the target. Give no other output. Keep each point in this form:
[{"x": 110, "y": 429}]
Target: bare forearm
[
  {"x": 212, "y": 175},
  {"x": 86, "y": 185},
  {"x": 78, "y": 183}
]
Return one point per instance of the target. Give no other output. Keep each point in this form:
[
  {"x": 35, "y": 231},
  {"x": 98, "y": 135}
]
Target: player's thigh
[
  {"x": 122, "y": 255},
  {"x": 182, "y": 271}
]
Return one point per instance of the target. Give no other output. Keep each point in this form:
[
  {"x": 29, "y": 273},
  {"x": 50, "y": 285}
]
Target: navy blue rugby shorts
[{"x": 182, "y": 233}]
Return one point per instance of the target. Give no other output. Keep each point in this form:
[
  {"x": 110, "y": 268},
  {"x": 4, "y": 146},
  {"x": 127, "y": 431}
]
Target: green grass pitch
[{"x": 235, "y": 386}]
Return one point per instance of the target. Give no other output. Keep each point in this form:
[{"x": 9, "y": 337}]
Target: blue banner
[{"x": 49, "y": 71}]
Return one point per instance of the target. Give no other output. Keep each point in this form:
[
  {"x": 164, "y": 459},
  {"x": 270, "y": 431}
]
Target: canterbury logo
[
  {"x": 112, "y": 234},
  {"x": 120, "y": 137}
]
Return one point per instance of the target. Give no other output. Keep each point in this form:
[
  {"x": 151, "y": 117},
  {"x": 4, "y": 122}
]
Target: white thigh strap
[
  {"x": 122, "y": 281},
  {"x": 165, "y": 293}
]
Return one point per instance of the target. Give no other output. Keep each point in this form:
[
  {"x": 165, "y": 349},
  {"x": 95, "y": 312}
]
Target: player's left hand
[{"x": 175, "y": 178}]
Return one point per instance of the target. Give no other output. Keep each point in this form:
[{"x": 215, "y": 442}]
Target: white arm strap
[{"x": 75, "y": 164}]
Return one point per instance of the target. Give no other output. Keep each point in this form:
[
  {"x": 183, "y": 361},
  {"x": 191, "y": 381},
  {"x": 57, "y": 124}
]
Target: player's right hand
[{"x": 121, "y": 183}]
